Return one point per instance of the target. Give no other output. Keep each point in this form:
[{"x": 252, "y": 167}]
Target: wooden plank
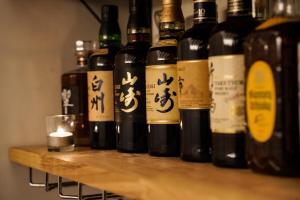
[{"x": 140, "y": 176}]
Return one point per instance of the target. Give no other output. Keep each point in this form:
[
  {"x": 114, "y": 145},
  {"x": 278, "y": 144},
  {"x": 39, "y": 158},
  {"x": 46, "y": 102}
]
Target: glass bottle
[
  {"x": 74, "y": 94},
  {"x": 272, "y": 83},
  {"x": 129, "y": 81},
  {"x": 100, "y": 82},
  {"x": 161, "y": 83},
  {"x": 193, "y": 84},
  {"x": 227, "y": 68}
]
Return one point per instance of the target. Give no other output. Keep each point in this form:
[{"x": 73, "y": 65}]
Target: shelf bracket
[
  {"x": 103, "y": 196},
  {"x": 48, "y": 186}
]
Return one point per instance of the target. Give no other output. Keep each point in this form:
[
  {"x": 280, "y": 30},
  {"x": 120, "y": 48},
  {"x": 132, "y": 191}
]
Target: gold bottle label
[
  {"x": 227, "y": 87},
  {"x": 161, "y": 94},
  {"x": 193, "y": 84},
  {"x": 261, "y": 101},
  {"x": 100, "y": 96}
]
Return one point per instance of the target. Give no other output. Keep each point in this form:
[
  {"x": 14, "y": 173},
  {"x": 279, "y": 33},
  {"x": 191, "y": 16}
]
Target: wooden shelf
[{"x": 140, "y": 176}]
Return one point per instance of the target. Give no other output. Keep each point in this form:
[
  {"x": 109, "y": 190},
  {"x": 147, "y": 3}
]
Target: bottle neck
[
  {"x": 171, "y": 24},
  {"x": 238, "y": 8},
  {"x": 110, "y": 34},
  {"x": 138, "y": 34},
  {"x": 205, "y": 11},
  {"x": 138, "y": 26}
]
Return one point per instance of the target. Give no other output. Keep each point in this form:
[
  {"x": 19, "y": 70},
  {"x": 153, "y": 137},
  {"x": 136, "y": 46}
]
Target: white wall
[{"x": 36, "y": 47}]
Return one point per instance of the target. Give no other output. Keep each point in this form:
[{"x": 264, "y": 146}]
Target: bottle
[
  {"x": 129, "y": 81},
  {"x": 74, "y": 94},
  {"x": 272, "y": 62},
  {"x": 161, "y": 83},
  {"x": 100, "y": 82},
  {"x": 193, "y": 84},
  {"x": 227, "y": 68}
]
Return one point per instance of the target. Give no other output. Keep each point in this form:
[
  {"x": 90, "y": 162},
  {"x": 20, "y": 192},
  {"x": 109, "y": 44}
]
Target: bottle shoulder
[
  {"x": 199, "y": 31},
  {"x": 236, "y": 25},
  {"x": 227, "y": 37},
  {"x": 79, "y": 70},
  {"x": 160, "y": 55},
  {"x": 135, "y": 47}
]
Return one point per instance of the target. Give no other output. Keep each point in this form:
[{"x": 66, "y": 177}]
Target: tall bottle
[
  {"x": 129, "y": 80},
  {"x": 227, "y": 68},
  {"x": 100, "y": 82},
  {"x": 272, "y": 67},
  {"x": 193, "y": 84},
  {"x": 161, "y": 83},
  {"x": 74, "y": 94}
]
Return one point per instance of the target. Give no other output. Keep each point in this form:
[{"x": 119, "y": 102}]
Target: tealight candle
[{"x": 60, "y": 136}]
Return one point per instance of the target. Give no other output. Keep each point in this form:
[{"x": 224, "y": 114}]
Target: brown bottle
[
  {"x": 226, "y": 65},
  {"x": 161, "y": 83},
  {"x": 74, "y": 92},
  {"x": 272, "y": 63}
]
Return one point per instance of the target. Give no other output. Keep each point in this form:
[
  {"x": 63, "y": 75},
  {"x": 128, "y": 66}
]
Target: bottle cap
[{"x": 109, "y": 13}]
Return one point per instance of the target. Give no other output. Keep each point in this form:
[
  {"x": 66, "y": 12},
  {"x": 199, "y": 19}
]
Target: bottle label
[
  {"x": 166, "y": 42},
  {"x": 261, "y": 101},
  {"x": 70, "y": 100},
  {"x": 100, "y": 96},
  {"x": 161, "y": 94},
  {"x": 193, "y": 84},
  {"x": 205, "y": 10},
  {"x": 130, "y": 94},
  {"x": 227, "y": 87}
]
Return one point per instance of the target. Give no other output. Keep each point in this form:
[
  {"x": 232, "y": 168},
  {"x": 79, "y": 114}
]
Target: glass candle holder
[{"x": 60, "y": 132}]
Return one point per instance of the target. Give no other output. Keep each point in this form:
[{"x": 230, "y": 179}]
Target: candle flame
[{"x": 60, "y": 130}]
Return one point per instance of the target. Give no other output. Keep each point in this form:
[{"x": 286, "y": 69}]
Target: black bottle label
[
  {"x": 100, "y": 96},
  {"x": 161, "y": 94},
  {"x": 261, "y": 101},
  {"x": 130, "y": 100},
  {"x": 205, "y": 10},
  {"x": 70, "y": 100}
]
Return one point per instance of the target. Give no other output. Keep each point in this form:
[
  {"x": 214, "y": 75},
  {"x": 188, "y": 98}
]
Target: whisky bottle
[
  {"x": 161, "y": 83},
  {"x": 193, "y": 84},
  {"x": 129, "y": 81},
  {"x": 227, "y": 68},
  {"x": 100, "y": 82},
  {"x": 272, "y": 66},
  {"x": 74, "y": 94}
]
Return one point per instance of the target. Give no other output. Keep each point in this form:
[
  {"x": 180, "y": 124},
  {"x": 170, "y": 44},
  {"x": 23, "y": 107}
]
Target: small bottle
[
  {"x": 193, "y": 84},
  {"x": 227, "y": 69},
  {"x": 129, "y": 81},
  {"x": 161, "y": 83},
  {"x": 74, "y": 94},
  {"x": 100, "y": 82},
  {"x": 272, "y": 88}
]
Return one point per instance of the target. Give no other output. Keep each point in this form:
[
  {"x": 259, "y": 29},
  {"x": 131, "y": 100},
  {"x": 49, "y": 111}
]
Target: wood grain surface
[{"x": 140, "y": 176}]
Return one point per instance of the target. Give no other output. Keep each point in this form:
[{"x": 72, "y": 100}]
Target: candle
[{"x": 60, "y": 139}]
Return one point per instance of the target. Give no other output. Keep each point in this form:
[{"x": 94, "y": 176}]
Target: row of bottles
[{"x": 187, "y": 94}]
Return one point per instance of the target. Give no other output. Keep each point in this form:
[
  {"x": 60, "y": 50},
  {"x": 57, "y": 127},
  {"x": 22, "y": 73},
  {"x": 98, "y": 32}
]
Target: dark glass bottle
[
  {"x": 129, "y": 80},
  {"x": 193, "y": 87},
  {"x": 100, "y": 82},
  {"x": 161, "y": 83},
  {"x": 227, "y": 68},
  {"x": 272, "y": 63},
  {"x": 74, "y": 94}
]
